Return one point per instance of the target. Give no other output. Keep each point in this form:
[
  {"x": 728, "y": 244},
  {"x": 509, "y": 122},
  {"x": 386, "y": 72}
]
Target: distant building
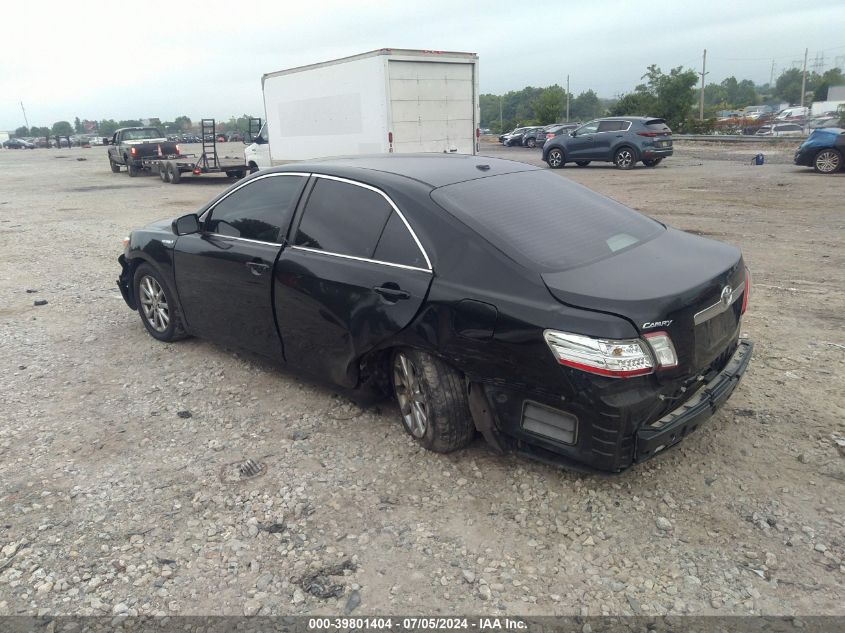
[{"x": 836, "y": 93}]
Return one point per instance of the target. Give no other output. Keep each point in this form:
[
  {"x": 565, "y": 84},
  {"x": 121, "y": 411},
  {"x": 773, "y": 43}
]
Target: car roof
[{"x": 434, "y": 170}]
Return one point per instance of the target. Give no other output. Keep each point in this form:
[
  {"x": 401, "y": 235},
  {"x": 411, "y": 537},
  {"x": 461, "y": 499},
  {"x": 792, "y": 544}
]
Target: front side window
[
  {"x": 260, "y": 210},
  {"x": 343, "y": 218},
  {"x": 588, "y": 128}
]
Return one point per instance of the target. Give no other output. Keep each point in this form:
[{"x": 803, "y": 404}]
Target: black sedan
[{"x": 565, "y": 326}]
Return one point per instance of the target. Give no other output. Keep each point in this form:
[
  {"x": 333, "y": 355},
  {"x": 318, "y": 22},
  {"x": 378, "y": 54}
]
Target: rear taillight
[
  {"x": 478, "y": 132},
  {"x": 133, "y": 151},
  {"x": 651, "y": 134},
  {"x": 549, "y": 135},
  {"x": 663, "y": 349},
  {"x": 616, "y": 359},
  {"x": 746, "y": 292},
  {"x": 178, "y": 150}
]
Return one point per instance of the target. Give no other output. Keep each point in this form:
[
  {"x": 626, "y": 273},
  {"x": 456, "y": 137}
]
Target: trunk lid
[{"x": 673, "y": 283}]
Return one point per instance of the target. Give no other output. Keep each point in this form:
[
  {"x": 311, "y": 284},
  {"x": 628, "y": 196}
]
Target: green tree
[
  {"x": 183, "y": 122},
  {"x": 788, "y": 85},
  {"x": 236, "y": 124},
  {"x": 40, "y": 131},
  {"x": 130, "y": 123},
  {"x": 77, "y": 126},
  {"x": 585, "y": 106},
  {"x": 22, "y": 131},
  {"x": 62, "y": 128},
  {"x": 832, "y": 77},
  {"x": 549, "y": 106},
  {"x": 670, "y": 97},
  {"x": 107, "y": 127}
]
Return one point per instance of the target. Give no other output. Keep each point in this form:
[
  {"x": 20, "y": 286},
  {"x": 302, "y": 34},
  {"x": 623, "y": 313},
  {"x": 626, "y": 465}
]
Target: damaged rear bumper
[{"x": 677, "y": 424}]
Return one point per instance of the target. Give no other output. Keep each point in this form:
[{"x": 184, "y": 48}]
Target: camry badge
[{"x": 727, "y": 293}]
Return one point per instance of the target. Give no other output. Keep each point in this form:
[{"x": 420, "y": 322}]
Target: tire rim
[
  {"x": 555, "y": 158},
  {"x": 624, "y": 159},
  {"x": 827, "y": 162},
  {"x": 412, "y": 404},
  {"x": 154, "y": 304}
]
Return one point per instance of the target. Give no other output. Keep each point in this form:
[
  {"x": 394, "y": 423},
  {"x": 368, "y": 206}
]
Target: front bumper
[
  {"x": 616, "y": 425},
  {"x": 804, "y": 157}
]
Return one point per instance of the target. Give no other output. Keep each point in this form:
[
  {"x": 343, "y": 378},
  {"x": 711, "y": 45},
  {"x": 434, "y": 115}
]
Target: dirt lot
[{"x": 118, "y": 494}]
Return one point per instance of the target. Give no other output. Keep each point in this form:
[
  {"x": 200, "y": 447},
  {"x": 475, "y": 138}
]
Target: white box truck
[{"x": 387, "y": 100}]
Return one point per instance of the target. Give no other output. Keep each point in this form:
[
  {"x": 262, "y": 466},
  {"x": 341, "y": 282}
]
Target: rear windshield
[
  {"x": 561, "y": 225},
  {"x": 657, "y": 125},
  {"x": 138, "y": 135}
]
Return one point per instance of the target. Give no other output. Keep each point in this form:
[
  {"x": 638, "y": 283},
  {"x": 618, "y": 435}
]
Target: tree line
[
  {"x": 673, "y": 96},
  {"x": 107, "y": 127}
]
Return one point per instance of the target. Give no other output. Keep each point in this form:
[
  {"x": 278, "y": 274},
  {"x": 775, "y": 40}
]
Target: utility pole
[
  {"x": 567, "y": 98},
  {"x": 804, "y": 78},
  {"x": 772, "y": 76},
  {"x": 24, "y": 115},
  {"x": 701, "y": 96}
]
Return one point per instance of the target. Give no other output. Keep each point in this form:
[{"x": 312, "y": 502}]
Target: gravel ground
[{"x": 119, "y": 484}]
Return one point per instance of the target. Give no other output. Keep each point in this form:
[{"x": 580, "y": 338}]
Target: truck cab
[{"x": 257, "y": 153}]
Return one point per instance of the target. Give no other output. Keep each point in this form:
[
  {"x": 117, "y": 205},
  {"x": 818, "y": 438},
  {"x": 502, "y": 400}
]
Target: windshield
[
  {"x": 141, "y": 134},
  {"x": 567, "y": 226}
]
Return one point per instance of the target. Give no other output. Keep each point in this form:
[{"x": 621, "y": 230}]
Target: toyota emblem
[{"x": 727, "y": 293}]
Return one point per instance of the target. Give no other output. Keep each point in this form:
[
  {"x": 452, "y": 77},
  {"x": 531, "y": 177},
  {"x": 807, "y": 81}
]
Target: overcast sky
[{"x": 122, "y": 60}]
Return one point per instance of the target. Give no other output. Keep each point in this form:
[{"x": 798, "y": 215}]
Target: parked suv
[
  {"x": 534, "y": 136},
  {"x": 622, "y": 141},
  {"x": 558, "y": 129},
  {"x": 514, "y": 138}
]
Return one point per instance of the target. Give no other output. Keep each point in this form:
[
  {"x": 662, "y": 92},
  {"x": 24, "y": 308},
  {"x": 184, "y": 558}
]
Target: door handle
[
  {"x": 391, "y": 292},
  {"x": 257, "y": 268}
]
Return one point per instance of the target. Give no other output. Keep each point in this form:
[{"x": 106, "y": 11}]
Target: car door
[
  {"x": 606, "y": 138},
  {"x": 224, "y": 273},
  {"x": 580, "y": 146},
  {"x": 354, "y": 276}
]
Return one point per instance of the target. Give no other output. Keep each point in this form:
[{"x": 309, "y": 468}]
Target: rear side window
[
  {"x": 612, "y": 126},
  {"x": 342, "y": 218},
  {"x": 566, "y": 226},
  {"x": 260, "y": 210},
  {"x": 396, "y": 245}
]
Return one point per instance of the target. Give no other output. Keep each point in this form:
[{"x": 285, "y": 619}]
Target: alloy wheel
[
  {"x": 555, "y": 158},
  {"x": 827, "y": 162},
  {"x": 624, "y": 159},
  {"x": 154, "y": 303},
  {"x": 409, "y": 393}
]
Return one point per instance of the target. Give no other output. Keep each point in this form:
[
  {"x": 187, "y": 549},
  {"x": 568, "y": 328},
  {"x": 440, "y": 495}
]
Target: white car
[{"x": 781, "y": 129}]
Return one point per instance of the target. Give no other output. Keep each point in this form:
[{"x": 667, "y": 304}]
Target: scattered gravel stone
[
  {"x": 469, "y": 576},
  {"x": 663, "y": 524},
  {"x": 40, "y": 302}
]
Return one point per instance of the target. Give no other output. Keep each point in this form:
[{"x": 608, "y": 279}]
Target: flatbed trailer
[{"x": 172, "y": 168}]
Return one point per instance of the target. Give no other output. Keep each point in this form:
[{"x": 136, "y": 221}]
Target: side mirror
[
  {"x": 186, "y": 225},
  {"x": 572, "y": 133}
]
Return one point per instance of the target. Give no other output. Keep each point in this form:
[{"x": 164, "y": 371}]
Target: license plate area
[{"x": 714, "y": 334}]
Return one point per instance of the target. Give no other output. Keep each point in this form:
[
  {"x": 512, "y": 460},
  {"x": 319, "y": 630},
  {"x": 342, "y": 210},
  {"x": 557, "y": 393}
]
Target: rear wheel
[
  {"x": 531, "y": 142},
  {"x": 827, "y": 161},
  {"x": 253, "y": 168},
  {"x": 156, "y": 305},
  {"x": 555, "y": 158},
  {"x": 175, "y": 174},
  {"x": 582, "y": 163},
  {"x": 652, "y": 162},
  {"x": 131, "y": 169},
  {"x": 624, "y": 158},
  {"x": 432, "y": 400}
]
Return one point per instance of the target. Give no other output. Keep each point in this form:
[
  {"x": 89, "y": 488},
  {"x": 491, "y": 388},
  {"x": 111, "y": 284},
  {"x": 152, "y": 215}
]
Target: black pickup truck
[{"x": 129, "y": 146}]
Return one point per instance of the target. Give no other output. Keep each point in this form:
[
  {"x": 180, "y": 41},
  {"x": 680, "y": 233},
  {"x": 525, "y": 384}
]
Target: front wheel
[
  {"x": 582, "y": 163},
  {"x": 115, "y": 168},
  {"x": 827, "y": 161},
  {"x": 156, "y": 305},
  {"x": 651, "y": 162},
  {"x": 624, "y": 158},
  {"x": 163, "y": 173},
  {"x": 555, "y": 158},
  {"x": 432, "y": 399}
]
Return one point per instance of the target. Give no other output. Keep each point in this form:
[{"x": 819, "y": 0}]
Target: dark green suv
[{"x": 623, "y": 141}]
